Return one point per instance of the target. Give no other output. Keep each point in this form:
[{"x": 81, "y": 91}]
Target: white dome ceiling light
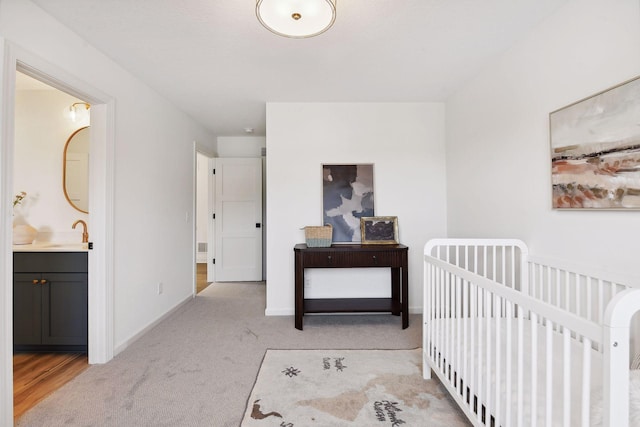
[{"x": 296, "y": 18}]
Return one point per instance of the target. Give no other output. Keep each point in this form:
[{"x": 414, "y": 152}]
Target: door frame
[{"x": 101, "y": 184}]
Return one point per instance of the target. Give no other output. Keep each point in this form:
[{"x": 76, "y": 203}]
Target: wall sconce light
[
  {"x": 296, "y": 18},
  {"x": 79, "y": 111}
]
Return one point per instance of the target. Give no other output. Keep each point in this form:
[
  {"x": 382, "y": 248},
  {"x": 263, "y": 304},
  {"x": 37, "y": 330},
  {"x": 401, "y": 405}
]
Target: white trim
[
  {"x": 7, "y": 80},
  {"x": 279, "y": 312},
  {"x": 194, "y": 212},
  {"x": 120, "y": 348}
]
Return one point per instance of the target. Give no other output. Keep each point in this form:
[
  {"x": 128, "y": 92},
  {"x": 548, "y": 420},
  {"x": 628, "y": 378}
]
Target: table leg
[
  {"x": 299, "y": 291},
  {"x": 395, "y": 290},
  {"x": 405, "y": 297}
]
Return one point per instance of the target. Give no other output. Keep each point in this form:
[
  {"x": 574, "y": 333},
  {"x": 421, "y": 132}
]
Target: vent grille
[{"x": 202, "y": 246}]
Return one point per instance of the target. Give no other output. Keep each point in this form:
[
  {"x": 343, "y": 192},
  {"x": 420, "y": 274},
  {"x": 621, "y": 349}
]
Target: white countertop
[{"x": 51, "y": 247}]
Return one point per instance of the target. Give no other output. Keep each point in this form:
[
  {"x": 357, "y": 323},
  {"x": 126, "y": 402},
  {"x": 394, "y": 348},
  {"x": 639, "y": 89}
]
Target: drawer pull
[
  {"x": 36, "y": 281},
  {"x": 329, "y": 257},
  {"x": 43, "y": 281}
]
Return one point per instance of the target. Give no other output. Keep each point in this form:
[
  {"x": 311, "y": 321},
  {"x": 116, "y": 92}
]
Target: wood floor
[
  {"x": 36, "y": 375},
  {"x": 201, "y": 277}
]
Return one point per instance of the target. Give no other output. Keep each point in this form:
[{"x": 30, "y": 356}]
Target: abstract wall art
[
  {"x": 347, "y": 195},
  {"x": 595, "y": 150}
]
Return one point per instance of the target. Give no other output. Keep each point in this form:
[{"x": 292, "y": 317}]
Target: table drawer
[{"x": 339, "y": 259}]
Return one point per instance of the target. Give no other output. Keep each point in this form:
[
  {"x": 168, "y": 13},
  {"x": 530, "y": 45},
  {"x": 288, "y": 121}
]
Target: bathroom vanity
[{"x": 50, "y": 298}]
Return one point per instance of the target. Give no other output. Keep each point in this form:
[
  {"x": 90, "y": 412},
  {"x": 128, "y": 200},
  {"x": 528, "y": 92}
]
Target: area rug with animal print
[{"x": 301, "y": 388}]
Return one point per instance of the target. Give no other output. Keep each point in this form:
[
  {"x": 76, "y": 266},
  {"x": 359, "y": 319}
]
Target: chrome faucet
[{"x": 85, "y": 233}]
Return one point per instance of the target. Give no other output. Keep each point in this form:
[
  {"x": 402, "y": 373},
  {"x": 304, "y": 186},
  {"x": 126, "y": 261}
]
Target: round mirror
[{"x": 75, "y": 170}]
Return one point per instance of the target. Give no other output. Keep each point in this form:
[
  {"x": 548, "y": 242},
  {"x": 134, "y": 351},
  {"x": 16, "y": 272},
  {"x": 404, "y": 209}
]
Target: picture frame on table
[{"x": 379, "y": 230}]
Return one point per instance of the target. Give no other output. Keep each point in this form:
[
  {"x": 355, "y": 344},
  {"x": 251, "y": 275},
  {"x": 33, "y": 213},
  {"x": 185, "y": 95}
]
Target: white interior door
[{"x": 238, "y": 223}]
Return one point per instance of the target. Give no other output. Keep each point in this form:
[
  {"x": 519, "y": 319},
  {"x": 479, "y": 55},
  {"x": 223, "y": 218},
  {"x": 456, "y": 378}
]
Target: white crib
[{"x": 520, "y": 341}]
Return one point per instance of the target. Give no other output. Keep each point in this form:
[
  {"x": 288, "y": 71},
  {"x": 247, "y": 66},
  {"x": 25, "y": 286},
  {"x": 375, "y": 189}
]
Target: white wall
[
  {"x": 41, "y": 132},
  {"x": 240, "y": 146},
  {"x": 405, "y": 141},
  {"x": 498, "y": 152},
  {"x": 153, "y": 170}
]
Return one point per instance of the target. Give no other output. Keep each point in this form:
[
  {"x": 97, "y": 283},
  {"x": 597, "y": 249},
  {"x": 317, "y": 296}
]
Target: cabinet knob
[
  {"x": 43, "y": 281},
  {"x": 36, "y": 281}
]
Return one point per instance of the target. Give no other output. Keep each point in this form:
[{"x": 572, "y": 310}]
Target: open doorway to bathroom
[{"x": 50, "y": 127}]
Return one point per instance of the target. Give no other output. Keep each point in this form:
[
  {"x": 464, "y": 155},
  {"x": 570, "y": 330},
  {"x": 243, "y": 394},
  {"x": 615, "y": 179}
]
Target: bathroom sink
[{"x": 51, "y": 247}]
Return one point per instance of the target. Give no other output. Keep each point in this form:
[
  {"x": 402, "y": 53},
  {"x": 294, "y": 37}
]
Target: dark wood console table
[{"x": 349, "y": 256}]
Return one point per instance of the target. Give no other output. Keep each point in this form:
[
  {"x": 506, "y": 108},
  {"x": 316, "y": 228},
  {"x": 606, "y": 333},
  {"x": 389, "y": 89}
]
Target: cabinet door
[
  {"x": 64, "y": 309},
  {"x": 27, "y": 309}
]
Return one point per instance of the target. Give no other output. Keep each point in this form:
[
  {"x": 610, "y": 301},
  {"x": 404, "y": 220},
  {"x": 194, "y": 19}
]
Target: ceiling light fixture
[{"x": 296, "y": 19}]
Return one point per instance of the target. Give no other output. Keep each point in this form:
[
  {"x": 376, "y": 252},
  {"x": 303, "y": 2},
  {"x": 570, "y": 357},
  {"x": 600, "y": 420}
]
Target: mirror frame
[{"x": 64, "y": 170}]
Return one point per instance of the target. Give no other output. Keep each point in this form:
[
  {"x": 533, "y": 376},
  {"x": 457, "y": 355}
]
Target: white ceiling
[{"x": 215, "y": 61}]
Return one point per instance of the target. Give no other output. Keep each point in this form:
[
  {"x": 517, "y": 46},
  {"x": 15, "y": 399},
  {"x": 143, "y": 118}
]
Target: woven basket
[{"x": 318, "y": 236}]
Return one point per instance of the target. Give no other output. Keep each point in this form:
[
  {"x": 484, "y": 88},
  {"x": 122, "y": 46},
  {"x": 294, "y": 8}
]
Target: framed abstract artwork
[
  {"x": 379, "y": 230},
  {"x": 595, "y": 150},
  {"x": 347, "y": 196}
]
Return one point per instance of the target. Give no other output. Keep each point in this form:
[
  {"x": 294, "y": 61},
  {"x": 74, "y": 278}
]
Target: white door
[{"x": 238, "y": 221}]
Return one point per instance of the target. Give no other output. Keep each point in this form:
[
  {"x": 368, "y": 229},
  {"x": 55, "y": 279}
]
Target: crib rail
[
  {"x": 517, "y": 342},
  {"x": 574, "y": 288}
]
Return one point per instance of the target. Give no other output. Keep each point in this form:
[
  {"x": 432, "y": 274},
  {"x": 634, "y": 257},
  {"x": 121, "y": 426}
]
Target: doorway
[
  {"x": 203, "y": 222},
  {"x": 43, "y": 137},
  {"x": 100, "y": 260}
]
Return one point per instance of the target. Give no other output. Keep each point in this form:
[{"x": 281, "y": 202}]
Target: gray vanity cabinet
[{"x": 50, "y": 304}]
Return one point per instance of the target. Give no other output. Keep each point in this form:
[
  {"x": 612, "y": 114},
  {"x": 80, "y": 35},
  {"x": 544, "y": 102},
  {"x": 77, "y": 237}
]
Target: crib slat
[
  {"x": 465, "y": 302},
  {"x": 533, "y": 369},
  {"x": 567, "y": 291},
  {"x": 487, "y": 314},
  {"x": 498, "y": 369},
  {"x": 448, "y": 326},
  {"x": 458, "y": 335},
  {"x": 508, "y": 368},
  {"x": 566, "y": 377},
  {"x": 480, "y": 374},
  {"x": 549, "y": 373},
  {"x": 586, "y": 381},
  {"x": 520, "y": 387}
]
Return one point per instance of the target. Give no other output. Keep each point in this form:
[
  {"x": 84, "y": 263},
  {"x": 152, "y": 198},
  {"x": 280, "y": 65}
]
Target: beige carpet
[
  {"x": 347, "y": 388},
  {"x": 198, "y": 367}
]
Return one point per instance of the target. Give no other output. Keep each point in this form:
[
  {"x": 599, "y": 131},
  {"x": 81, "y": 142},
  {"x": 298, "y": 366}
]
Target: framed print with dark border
[
  {"x": 379, "y": 230},
  {"x": 347, "y": 195},
  {"x": 595, "y": 151}
]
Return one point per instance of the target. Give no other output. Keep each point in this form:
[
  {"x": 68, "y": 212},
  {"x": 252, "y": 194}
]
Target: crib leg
[{"x": 426, "y": 371}]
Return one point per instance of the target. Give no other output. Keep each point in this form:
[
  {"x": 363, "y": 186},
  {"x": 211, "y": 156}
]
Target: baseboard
[
  {"x": 121, "y": 347},
  {"x": 279, "y": 312}
]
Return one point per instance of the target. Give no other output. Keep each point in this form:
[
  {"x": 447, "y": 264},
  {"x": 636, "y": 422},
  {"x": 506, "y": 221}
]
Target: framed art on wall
[
  {"x": 595, "y": 150},
  {"x": 379, "y": 230},
  {"x": 347, "y": 196}
]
